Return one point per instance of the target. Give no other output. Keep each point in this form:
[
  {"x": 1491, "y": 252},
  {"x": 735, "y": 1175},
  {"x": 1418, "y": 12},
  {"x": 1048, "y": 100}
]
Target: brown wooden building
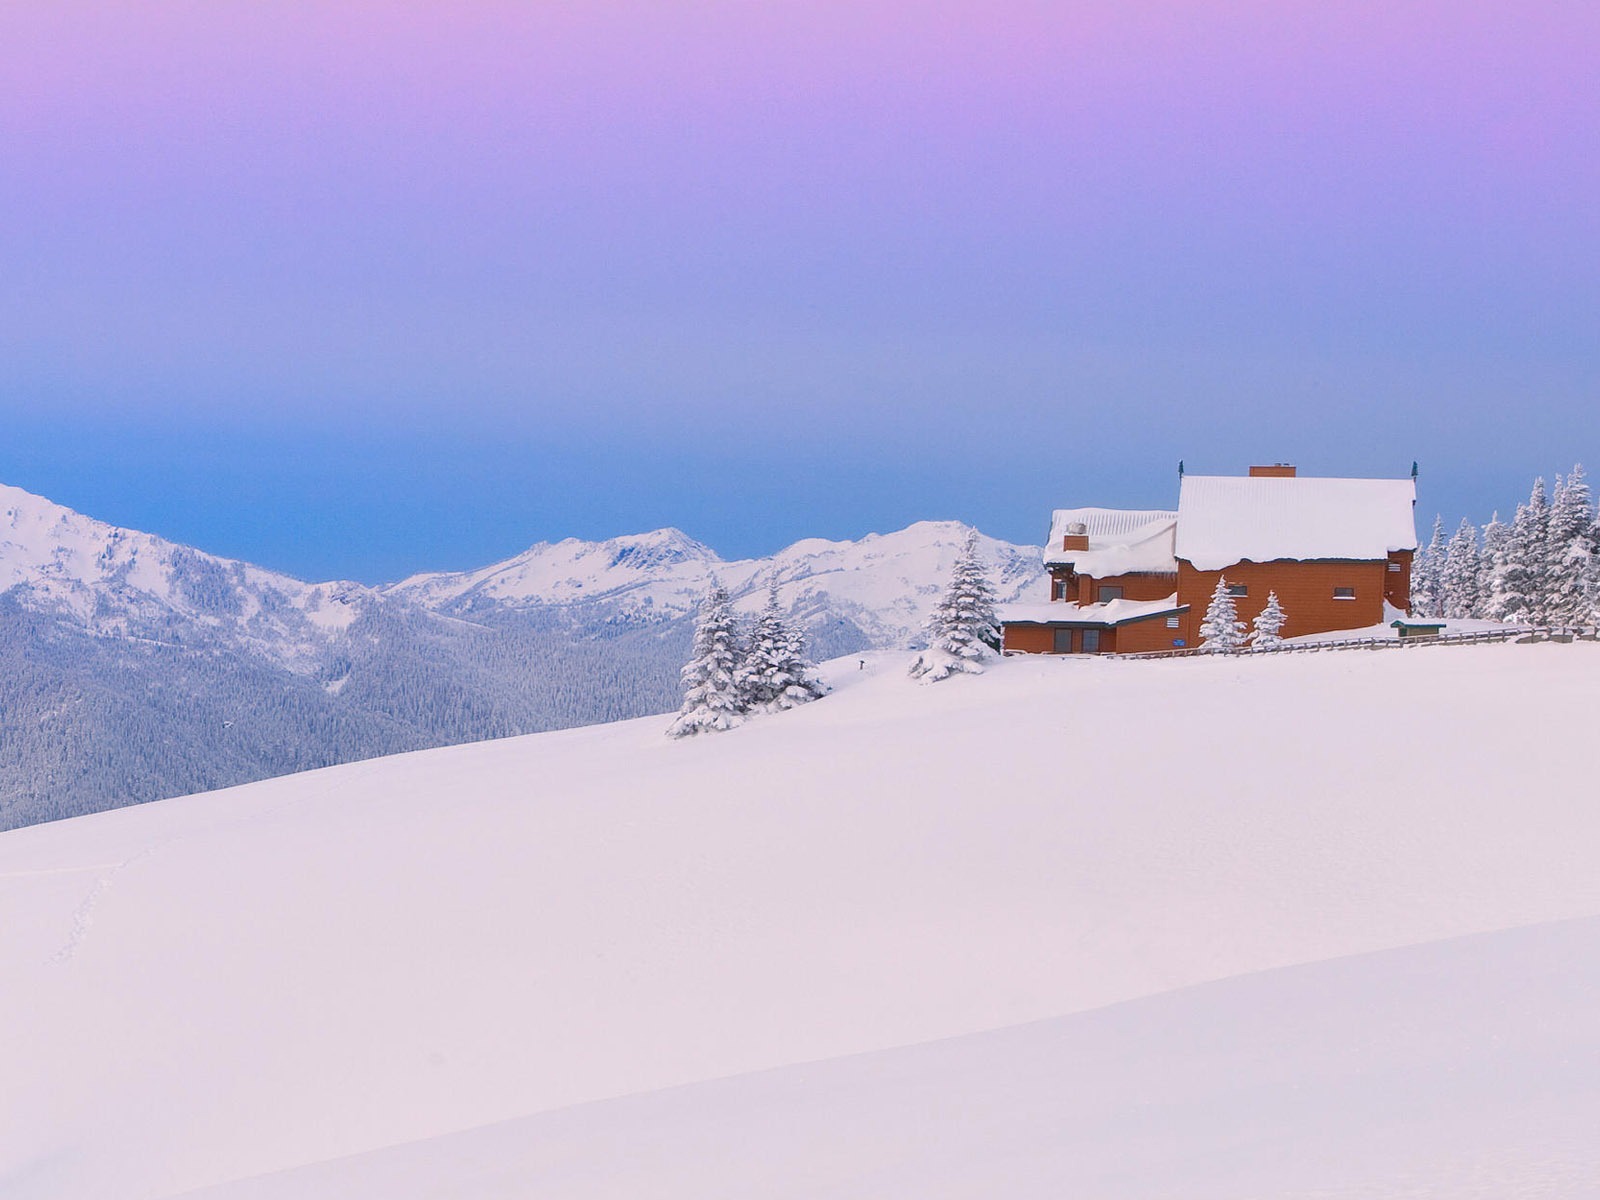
[{"x": 1336, "y": 551}]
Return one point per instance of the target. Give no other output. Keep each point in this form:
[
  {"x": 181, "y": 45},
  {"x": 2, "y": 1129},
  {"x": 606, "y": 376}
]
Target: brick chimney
[
  {"x": 1076, "y": 537},
  {"x": 1275, "y": 471}
]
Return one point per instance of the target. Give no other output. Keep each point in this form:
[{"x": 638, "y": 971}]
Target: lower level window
[
  {"x": 1063, "y": 641},
  {"x": 1091, "y": 641},
  {"x": 1345, "y": 593}
]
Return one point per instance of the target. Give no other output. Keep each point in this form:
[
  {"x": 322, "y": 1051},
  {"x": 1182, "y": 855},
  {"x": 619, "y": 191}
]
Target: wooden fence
[{"x": 1522, "y": 635}]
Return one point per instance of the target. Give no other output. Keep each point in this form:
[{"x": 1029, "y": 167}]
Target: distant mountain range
[{"x": 133, "y": 668}]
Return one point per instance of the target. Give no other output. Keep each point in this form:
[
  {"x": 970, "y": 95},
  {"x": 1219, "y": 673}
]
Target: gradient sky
[{"x": 360, "y": 289}]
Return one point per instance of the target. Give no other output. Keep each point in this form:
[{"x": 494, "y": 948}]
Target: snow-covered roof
[
  {"x": 1112, "y": 612},
  {"x": 1223, "y": 520},
  {"x": 1121, "y": 541}
]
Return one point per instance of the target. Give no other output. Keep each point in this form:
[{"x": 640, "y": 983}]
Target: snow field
[{"x": 310, "y": 968}]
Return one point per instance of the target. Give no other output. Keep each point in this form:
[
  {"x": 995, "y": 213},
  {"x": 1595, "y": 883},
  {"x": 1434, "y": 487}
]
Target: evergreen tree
[
  {"x": 1267, "y": 629},
  {"x": 1460, "y": 580},
  {"x": 711, "y": 699},
  {"x": 1491, "y": 568},
  {"x": 1427, "y": 573},
  {"x": 1222, "y": 632},
  {"x": 775, "y": 674},
  {"x": 1569, "y": 548},
  {"x": 1524, "y": 580},
  {"x": 962, "y": 630}
]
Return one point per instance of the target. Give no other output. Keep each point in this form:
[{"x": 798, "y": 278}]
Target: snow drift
[{"x": 305, "y": 970}]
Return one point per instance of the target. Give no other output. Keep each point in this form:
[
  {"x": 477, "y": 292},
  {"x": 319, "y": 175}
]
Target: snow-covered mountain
[
  {"x": 1256, "y": 927},
  {"x": 132, "y": 667},
  {"x": 883, "y": 585},
  {"x": 120, "y": 582}
]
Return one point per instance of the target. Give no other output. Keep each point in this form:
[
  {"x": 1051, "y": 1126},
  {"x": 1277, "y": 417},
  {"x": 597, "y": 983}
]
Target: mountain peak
[{"x": 658, "y": 548}]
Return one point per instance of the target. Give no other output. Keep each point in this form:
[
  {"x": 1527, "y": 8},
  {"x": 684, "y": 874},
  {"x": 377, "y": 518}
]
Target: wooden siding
[
  {"x": 1027, "y": 639},
  {"x": 1305, "y": 592},
  {"x": 1134, "y": 587},
  {"x": 1397, "y": 584},
  {"x": 1141, "y": 637}
]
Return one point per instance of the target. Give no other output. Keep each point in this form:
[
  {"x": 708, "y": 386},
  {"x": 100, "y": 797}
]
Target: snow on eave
[
  {"x": 1111, "y": 612},
  {"x": 1223, "y": 520}
]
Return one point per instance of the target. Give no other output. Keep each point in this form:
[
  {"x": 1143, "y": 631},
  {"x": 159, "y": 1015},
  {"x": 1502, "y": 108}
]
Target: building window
[
  {"x": 1060, "y": 590},
  {"x": 1238, "y": 589},
  {"x": 1063, "y": 641},
  {"x": 1091, "y": 641},
  {"x": 1109, "y": 591},
  {"x": 1344, "y": 593},
  {"x": 1172, "y": 622}
]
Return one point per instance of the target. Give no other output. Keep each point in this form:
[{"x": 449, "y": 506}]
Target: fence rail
[{"x": 1523, "y": 635}]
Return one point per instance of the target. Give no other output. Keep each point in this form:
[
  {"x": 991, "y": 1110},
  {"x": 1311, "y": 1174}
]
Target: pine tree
[
  {"x": 1460, "y": 580},
  {"x": 1222, "y": 632},
  {"x": 1491, "y": 568},
  {"x": 962, "y": 630},
  {"x": 1569, "y": 549},
  {"x": 1267, "y": 629},
  {"x": 775, "y": 674},
  {"x": 1524, "y": 580},
  {"x": 711, "y": 699},
  {"x": 1427, "y": 572}
]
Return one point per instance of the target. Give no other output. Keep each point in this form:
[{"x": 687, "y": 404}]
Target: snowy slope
[
  {"x": 307, "y": 969},
  {"x": 1462, "y": 1068},
  {"x": 884, "y": 584}
]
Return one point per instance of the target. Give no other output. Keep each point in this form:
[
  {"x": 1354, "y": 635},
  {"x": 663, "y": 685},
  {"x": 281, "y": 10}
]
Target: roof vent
[{"x": 1275, "y": 471}]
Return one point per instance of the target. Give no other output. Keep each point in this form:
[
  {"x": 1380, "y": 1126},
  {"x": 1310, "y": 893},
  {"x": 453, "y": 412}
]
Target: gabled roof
[
  {"x": 1121, "y": 541},
  {"x": 1223, "y": 520}
]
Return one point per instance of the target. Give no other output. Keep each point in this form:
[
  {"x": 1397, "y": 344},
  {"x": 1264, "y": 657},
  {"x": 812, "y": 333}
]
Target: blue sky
[{"x": 361, "y": 289}]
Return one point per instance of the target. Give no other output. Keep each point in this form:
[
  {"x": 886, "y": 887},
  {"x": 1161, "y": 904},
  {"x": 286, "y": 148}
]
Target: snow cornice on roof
[
  {"x": 1121, "y": 541},
  {"x": 1223, "y": 520}
]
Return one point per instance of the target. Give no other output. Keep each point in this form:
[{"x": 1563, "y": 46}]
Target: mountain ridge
[{"x": 137, "y": 667}]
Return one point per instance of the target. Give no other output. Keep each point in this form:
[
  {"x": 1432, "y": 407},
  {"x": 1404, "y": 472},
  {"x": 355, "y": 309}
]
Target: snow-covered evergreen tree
[
  {"x": 1427, "y": 574},
  {"x": 1267, "y": 628},
  {"x": 1569, "y": 548},
  {"x": 962, "y": 631},
  {"x": 711, "y": 693},
  {"x": 1491, "y": 568},
  {"x": 1460, "y": 580},
  {"x": 775, "y": 674},
  {"x": 1524, "y": 580},
  {"x": 1222, "y": 632}
]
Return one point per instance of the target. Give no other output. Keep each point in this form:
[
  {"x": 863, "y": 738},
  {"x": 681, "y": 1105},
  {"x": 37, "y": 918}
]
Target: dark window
[
  {"x": 1091, "y": 641},
  {"x": 1109, "y": 591},
  {"x": 1348, "y": 593},
  {"x": 1060, "y": 589},
  {"x": 1063, "y": 641},
  {"x": 1238, "y": 589}
]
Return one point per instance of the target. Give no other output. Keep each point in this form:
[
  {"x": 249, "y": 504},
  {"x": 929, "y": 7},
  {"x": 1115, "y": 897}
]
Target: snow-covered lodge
[{"x": 1336, "y": 551}]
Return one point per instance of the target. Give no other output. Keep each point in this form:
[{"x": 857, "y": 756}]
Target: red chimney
[{"x": 1275, "y": 471}]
